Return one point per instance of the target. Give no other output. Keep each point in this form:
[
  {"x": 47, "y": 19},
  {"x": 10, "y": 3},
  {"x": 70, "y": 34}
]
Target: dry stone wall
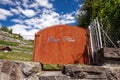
[
  {"x": 17, "y": 70},
  {"x": 14, "y": 70}
]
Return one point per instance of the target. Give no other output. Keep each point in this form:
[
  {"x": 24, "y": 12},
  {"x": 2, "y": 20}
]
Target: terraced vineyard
[{"x": 21, "y": 49}]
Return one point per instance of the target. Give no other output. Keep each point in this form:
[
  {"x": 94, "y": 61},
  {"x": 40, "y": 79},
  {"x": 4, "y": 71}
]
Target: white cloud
[
  {"x": 17, "y": 21},
  {"x": 80, "y": 12},
  {"x": 15, "y": 11},
  {"x": 28, "y": 12},
  {"x": 26, "y": 7},
  {"x": 31, "y": 34},
  {"x": 4, "y": 14},
  {"x": 21, "y": 29},
  {"x": 40, "y": 14},
  {"x": 25, "y": 12},
  {"x": 28, "y": 3},
  {"x": 49, "y": 18},
  {"x": 43, "y": 3},
  {"x": 2, "y": 17},
  {"x": 81, "y": 5},
  {"x": 76, "y": 0},
  {"x": 46, "y": 19},
  {"x": 25, "y": 3},
  {"x": 28, "y": 37},
  {"x": 5, "y": 2}
]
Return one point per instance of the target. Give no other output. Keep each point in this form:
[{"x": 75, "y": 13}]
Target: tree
[
  {"x": 85, "y": 14},
  {"x": 4, "y": 28},
  {"x": 10, "y": 31},
  {"x": 107, "y": 11}
]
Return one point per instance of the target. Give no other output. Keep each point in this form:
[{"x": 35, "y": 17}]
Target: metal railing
[
  {"x": 94, "y": 39},
  {"x": 97, "y": 39}
]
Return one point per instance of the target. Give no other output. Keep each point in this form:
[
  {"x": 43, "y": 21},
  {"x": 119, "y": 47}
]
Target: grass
[
  {"x": 15, "y": 56},
  {"x": 50, "y": 67},
  {"x": 26, "y": 47},
  {"x": 23, "y": 49},
  {"x": 20, "y": 51},
  {"x": 9, "y": 43}
]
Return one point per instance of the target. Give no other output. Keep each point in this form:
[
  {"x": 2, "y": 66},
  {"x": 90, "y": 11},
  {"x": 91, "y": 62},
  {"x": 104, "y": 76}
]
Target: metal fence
[
  {"x": 94, "y": 39},
  {"x": 98, "y": 38},
  {"x": 110, "y": 39}
]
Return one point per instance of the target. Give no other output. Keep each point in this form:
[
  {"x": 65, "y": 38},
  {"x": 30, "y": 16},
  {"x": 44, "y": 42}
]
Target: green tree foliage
[
  {"x": 10, "y": 31},
  {"x": 108, "y": 11},
  {"x": 4, "y": 28},
  {"x": 84, "y": 16},
  {"x": 20, "y": 36}
]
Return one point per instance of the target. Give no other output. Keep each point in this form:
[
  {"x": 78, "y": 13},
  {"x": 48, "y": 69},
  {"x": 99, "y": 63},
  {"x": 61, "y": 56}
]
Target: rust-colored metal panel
[{"x": 60, "y": 44}]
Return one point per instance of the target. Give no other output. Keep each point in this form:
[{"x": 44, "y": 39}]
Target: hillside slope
[{"x": 21, "y": 49}]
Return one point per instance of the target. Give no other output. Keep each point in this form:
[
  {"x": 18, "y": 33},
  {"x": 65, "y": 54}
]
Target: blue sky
[{"x": 29, "y": 16}]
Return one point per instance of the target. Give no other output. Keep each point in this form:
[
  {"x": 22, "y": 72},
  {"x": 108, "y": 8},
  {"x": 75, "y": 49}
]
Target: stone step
[
  {"x": 112, "y": 53},
  {"x": 85, "y": 72},
  {"x": 111, "y": 56}
]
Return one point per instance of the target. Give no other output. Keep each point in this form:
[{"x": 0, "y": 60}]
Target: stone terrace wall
[
  {"x": 14, "y": 70},
  {"x": 17, "y": 70}
]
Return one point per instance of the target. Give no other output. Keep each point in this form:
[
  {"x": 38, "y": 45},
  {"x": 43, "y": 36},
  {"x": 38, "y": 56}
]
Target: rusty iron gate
[{"x": 61, "y": 44}]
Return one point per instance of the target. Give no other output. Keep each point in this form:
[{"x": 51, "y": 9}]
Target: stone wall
[
  {"x": 17, "y": 70},
  {"x": 111, "y": 56},
  {"x": 14, "y": 70},
  {"x": 89, "y": 72}
]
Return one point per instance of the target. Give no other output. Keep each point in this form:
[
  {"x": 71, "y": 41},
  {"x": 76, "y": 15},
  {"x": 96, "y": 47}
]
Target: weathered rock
[
  {"x": 1, "y": 65},
  {"x": 32, "y": 77},
  {"x": 17, "y": 70},
  {"x": 112, "y": 56},
  {"x": 84, "y": 72},
  {"x": 112, "y": 53},
  {"x": 53, "y": 75},
  {"x": 6, "y": 67},
  {"x": 30, "y": 68},
  {"x": 53, "y": 78},
  {"x": 4, "y": 76},
  {"x": 113, "y": 73},
  {"x": 110, "y": 75},
  {"x": 16, "y": 73}
]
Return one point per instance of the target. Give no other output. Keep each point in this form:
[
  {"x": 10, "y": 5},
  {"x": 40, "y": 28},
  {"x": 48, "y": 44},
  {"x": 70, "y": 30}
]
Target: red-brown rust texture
[{"x": 60, "y": 44}]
